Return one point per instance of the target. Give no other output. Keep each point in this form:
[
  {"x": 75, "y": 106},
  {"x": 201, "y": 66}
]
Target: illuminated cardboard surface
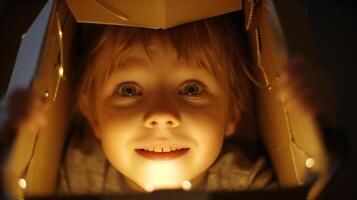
[
  {"x": 36, "y": 158},
  {"x": 149, "y": 14},
  {"x": 292, "y": 138}
]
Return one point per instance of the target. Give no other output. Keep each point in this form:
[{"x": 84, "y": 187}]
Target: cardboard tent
[{"x": 277, "y": 29}]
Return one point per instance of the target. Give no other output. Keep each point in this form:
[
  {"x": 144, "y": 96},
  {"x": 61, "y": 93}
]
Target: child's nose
[{"x": 162, "y": 120}]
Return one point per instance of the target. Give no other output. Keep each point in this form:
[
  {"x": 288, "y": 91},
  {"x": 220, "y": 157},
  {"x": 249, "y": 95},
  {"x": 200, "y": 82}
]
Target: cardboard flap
[
  {"x": 293, "y": 139},
  {"x": 24, "y": 71},
  {"x": 149, "y": 14},
  {"x": 35, "y": 158}
]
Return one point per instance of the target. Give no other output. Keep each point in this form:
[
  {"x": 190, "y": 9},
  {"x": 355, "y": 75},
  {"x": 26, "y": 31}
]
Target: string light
[
  {"x": 46, "y": 94},
  {"x": 149, "y": 187},
  {"x": 22, "y": 183},
  {"x": 186, "y": 185},
  {"x": 60, "y": 71},
  {"x": 309, "y": 163}
]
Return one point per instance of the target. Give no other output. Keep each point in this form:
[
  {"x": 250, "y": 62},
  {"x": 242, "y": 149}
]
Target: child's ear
[
  {"x": 85, "y": 110},
  {"x": 232, "y": 123}
]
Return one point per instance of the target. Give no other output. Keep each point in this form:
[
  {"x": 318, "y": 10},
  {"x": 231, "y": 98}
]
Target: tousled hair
[{"x": 213, "y": 43}]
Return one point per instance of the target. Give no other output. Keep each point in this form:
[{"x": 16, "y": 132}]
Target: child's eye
[
  {"x": 128, "y": 90},
  {"x": 192, "y": 89}
]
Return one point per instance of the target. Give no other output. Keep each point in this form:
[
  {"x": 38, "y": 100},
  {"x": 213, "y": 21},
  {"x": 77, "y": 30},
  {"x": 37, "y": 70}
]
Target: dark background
[{"x": 333, "y": 23}]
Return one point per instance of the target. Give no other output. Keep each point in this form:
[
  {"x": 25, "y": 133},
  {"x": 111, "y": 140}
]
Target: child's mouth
[{"x": 162, "y": 155}]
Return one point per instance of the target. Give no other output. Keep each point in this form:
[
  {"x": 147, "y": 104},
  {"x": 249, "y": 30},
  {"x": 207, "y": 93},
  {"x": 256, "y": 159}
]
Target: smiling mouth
[{"x": 162, "y": 155}]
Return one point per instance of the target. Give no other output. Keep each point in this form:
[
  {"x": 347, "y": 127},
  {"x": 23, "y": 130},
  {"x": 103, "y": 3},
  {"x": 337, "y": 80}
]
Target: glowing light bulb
[
  {"x": 309, "y": 163},
  {"x": 22, "y": 183},
  {"x": 46, "y": 94},
  {"x": 149, "y": 187},
  {"x": 60, "y": 33},
  {"x": 186, "y": 185},
  {"x": 60, "y": 71}
]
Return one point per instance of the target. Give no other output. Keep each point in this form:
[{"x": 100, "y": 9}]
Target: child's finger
[
  {"x": 39, "y": 111},
  {"x": 295, "y": 65},
  {"x": 299, "y": 69},
  {"x": 298, "y": 84},
  {"x": 28, "y": 111},
  {"x": 304, "y": 78},
  {"x": 315, "y": 100},
  {"x": 41, "y": 103},
  {"x": 293, "y": 84},
  {"x": 28, "y": 127},
  {"x": 35, "y": 121},
  {"x": 18, "y": 106},
  {"x": 308, "y": 100},
  {"x": 39, "y": 118}
]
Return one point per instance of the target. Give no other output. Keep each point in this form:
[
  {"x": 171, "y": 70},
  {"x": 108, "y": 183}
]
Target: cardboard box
[{"x": 277, "y": 29}]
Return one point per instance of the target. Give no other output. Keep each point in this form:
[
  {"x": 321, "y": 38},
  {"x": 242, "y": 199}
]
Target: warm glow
[
  {"x": 46, "y": 94},
  {"x": 309, "y": 163},
  {"x": 22, "y": 183},
  {"x": 163, "y": 175},
  {"x": 60, "y": 71},
  {"x": 149, "y": 187},
  {"x": 186, "y": 185}
]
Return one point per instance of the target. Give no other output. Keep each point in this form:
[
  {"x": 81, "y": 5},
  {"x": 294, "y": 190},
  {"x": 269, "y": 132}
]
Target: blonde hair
[{"x": 212, "y": 43}]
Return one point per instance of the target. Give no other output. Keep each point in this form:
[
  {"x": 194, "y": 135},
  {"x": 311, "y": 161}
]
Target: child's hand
[
  {"x": 27, "y": 111},
  {"x": 308, "y": 89}
]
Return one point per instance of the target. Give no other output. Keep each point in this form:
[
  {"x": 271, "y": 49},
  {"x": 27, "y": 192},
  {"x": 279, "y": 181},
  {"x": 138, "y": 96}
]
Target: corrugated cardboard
[
  {"x": 149, "y": 14},
  {"x": 291, "y": 138},
  {"x": 36, "y": 158}
]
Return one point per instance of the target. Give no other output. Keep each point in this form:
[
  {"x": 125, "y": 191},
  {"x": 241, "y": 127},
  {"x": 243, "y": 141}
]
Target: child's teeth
[
  {"x": 166, "y": 149},
  {"x": 157, "y": 149},
  {"x": 162, "y": 149}
]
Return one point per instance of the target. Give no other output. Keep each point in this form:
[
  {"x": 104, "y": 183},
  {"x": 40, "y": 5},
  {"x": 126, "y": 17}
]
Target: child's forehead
[
  {"x": 158, "y": 47},
  {"x": 157, "y": 54},
  {"x": 155, "y": 50},
  {"x": 158, "y": 61}
]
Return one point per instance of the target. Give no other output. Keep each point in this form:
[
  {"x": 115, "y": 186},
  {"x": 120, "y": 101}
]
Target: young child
[{"x": 162, "y": 103}]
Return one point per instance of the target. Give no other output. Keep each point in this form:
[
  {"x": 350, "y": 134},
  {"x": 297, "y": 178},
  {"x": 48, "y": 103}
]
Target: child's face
[{"x": 162, "y": 103}]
